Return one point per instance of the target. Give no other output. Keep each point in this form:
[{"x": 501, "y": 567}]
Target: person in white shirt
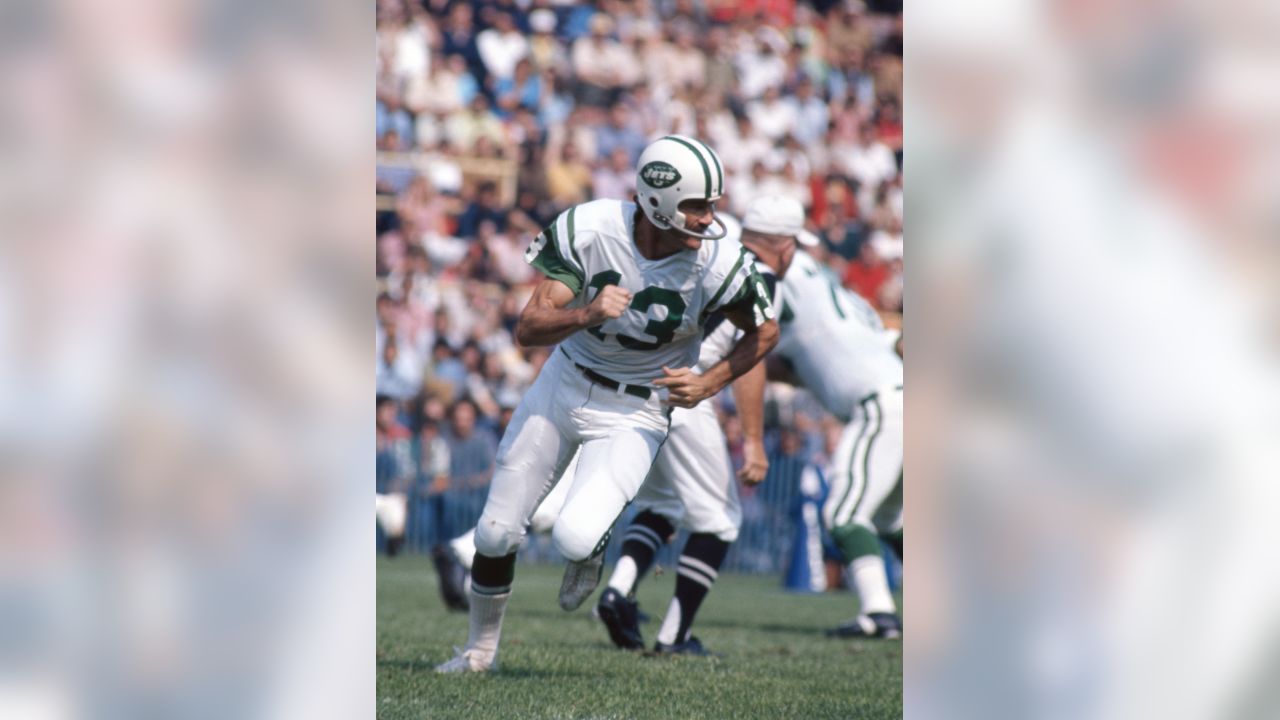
[
  {"x": 501, "y": 46},
  {"x": 869, "y": 161},
  {"x": 771, "y": 116}
]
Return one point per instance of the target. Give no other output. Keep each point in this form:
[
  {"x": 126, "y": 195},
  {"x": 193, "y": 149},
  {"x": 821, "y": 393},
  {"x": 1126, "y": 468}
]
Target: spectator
[
  {"x": 472, "y": 449},
  {"x": 458, "y": 37},
  {"x": 465, "y": 128},
  {"x": 445, "y": 90},
  {"x": 421, "y": 211},
  {"x": 771, "y": 116},
  {"x": 810, "y": 113},
  {"x": 616, "y": 178},
  {"x": 603, "y": 65},
  {"x": 447, "y": 370},
  {"x": 759, "y": 68},
  {"x": 568, "y": 178},
  {"x": 889, "y": 126},
  {"x": 685, "y": 65},
  {"x": 618, "y": 132},
  {"x": 545, "y": 50},
  {"x": 557, "y": 102},
  {"x": 394, "y": 460},
  {"x": 501, "y": 47},
  {"x": 522, "y": 90},
  {"x": 485, "y": 206},
  {"x": 749, "y": 146},
  {"x": 866, "y": 274},
  {"x": 399, "y": 369},
  {"x": 429, "y": 516},
  {"x": 868, "y": 160}
]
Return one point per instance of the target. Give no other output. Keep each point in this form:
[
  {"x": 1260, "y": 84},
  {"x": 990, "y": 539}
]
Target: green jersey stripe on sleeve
[
  {"x": 711, "y": 306},
  {"x": 544, "y": 254},
  {"x": 573, "y": 245}
]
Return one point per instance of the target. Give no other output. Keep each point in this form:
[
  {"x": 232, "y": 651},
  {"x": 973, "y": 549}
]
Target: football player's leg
[
  {"x": 865, "y": 472},
  {"x": 531, "y": 457},
  {"x": 391, "y": 510},
  {"x": 653, "y": 526},
  {"x": 463, "y": 547},
  {"x": 703, "y": 476},
  {"x": 544, "y": 518},
  {"x": 610, "y": 471}
]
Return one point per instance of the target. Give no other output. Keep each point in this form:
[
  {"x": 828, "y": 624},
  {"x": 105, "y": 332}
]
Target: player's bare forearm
[
  {"x": 543, "y": 325},
  {"x": 748, "y": 392},
  {"x": 755, "y": 343},
  {"x": 546, "y": 321}
]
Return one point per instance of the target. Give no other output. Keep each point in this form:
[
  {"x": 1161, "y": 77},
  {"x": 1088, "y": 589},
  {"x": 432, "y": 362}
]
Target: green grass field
[{"x": 775, "y": 662}]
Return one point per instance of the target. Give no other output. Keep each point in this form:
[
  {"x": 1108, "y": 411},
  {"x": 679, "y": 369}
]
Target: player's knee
[
  {"x": 496, "y": 538},
  {"x": 573, "y": 544}
]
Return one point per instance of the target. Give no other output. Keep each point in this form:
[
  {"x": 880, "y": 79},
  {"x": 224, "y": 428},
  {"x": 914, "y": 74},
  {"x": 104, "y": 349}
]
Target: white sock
[
  {"x": 872, "y": 584},
  {"x": 392, "y": 509},
  {"x": 464, "y": 547},
  {"x": 623, "y": 578},
  {"x": 670, "y": 624},
  {"x": 486, "y": 621}
]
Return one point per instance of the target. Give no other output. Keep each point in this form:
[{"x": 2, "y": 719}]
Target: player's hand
[
  {"x": 685, "y": 388},
  {"x": 610, "y": 303},
  {"x": 755, "y": 463}
]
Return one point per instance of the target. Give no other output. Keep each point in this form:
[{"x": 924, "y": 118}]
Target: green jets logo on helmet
[{"x": 659, "y": 174}]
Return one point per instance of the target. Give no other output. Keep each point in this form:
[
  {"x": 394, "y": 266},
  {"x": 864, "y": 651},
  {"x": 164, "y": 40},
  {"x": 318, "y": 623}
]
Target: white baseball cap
[{"x": 778, "y": 215}]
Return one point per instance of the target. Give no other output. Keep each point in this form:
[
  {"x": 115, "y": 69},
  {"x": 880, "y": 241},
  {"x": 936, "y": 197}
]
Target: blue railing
[{"x": 763, "y": 546}]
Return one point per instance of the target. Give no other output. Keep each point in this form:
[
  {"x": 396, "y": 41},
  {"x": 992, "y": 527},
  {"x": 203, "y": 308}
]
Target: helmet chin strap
[{"x": 715, "y": 219}]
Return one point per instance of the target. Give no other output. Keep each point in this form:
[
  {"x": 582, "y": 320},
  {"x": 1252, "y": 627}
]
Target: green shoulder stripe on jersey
[
  {"x": 573, "y": 244},
  {"x": 706, "y": 169},
  {"x": 711, "y": 306},
  {"x": 548, "y": 260},
  {"x": 750, "y": 294},
  {"x": 719, "y": 170}
]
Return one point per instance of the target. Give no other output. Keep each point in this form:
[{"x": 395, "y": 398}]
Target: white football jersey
[
  {"x": 833, "y": 338},
  {"x": 590, "y": 246}
]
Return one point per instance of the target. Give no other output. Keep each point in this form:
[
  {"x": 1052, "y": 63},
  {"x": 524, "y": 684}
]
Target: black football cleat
[
  {"x": 873, "y": 625},
  {"x": 692, "y": 646},
  {"x": 394, "y": 545},
  {"x": 619, "y": 616},
  {"x": 453, "y": 579}
]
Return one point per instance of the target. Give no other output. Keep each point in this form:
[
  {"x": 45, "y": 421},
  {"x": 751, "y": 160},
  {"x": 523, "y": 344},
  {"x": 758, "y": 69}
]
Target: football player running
[{"x": 628, "y": 289}]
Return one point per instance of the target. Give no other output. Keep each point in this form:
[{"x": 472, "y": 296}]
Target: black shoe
[
  {"x": 453, "y": 579},
  {"x": 873, "y": 625},
  {"x": 393, "y": 545},
  {"x": 692, "y": 646},
  {"x": 619, "y": 617}
]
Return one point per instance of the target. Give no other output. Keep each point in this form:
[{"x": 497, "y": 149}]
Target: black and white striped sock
[
  {"x": 644, "y": 536},
  {"x": 699, "y": 566}
]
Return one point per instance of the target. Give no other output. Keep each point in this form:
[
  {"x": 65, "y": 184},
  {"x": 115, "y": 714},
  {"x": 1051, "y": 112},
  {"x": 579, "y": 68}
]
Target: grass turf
[{"x": 775, "y": 661}]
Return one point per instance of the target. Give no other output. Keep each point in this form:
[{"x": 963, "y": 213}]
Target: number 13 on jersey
[{"x": 663, "y": 331}]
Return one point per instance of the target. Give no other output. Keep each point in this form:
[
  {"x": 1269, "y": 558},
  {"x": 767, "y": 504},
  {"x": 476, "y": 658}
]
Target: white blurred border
[
  {"x": 185, "y": 375},
  {"x": 1092, "y": 431}
]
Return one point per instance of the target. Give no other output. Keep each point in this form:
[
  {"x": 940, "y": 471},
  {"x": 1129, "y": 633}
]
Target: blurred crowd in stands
[{"x": 493, "y": 117}]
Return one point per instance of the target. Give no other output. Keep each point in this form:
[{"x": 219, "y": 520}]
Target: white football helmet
[{"x": 675, "y": 168}]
